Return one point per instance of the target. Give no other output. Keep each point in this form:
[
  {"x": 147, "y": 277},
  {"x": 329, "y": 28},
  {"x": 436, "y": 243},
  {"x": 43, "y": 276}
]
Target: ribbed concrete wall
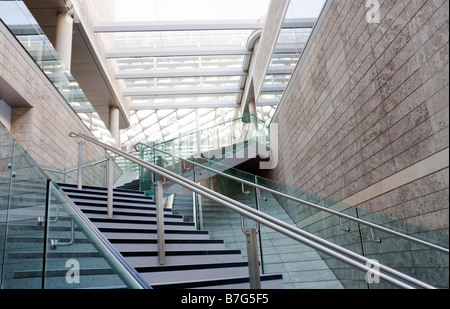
[{"x": 365, "y": 119}]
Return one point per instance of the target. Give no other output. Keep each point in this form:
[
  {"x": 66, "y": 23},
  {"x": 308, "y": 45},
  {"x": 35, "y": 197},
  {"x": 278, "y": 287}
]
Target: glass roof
[
  {"x": 186, "y": 68},
  {"x": 182, "y": 69}
]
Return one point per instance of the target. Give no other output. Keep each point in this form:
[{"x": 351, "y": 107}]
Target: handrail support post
[
  {"x": 110, "y": 186},
  {"x": 160, "y": 222},
  {"x": 80, "y": 164},
  {"x": 253, "y": 261}
]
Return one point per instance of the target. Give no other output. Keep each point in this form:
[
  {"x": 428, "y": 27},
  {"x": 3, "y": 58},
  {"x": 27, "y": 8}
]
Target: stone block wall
[{"x": 365, "y": 118}]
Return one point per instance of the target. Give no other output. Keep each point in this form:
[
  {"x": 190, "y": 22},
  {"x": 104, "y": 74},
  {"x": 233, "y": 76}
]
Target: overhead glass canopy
[
  {"x": 177, "y": 57},
  {"x": 183, "y": 63}
]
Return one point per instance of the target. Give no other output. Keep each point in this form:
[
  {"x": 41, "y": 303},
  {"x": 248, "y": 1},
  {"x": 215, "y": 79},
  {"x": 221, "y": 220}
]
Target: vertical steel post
[
  {"x": 110, "y": 186},
  {"x": 253, "y": 264},
  {"x": 160, "y": 222},
  {"x": 80, "y": 165}
]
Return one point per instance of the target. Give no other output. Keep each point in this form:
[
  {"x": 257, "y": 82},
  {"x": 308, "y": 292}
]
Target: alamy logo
[
  {"x": 373, "y": 15},
  {"x": 373, "y": 275},
  {"x": 73, "y": 274}
]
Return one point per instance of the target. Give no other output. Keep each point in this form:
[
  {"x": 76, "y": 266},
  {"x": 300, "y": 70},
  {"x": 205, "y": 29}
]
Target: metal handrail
[
  {"x": 74, "y": 169},
  {"x": 384, "y": 272},
  {"x": 298, "y": 200}
]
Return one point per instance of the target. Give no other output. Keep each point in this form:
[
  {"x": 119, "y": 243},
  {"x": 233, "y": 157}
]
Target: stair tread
[
  {"x": 180, "y": 253},
  {"x": 133, "y": 221},
  {"x": 180, "y": 267},
  {"x": 212, "y": 282},
  {"x": 125, "y": 212},
  {"x": 71, "y": 186}
]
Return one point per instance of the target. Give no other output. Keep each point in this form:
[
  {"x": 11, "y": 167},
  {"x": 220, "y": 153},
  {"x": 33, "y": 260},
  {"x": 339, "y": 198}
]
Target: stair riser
[
  {"x": 131, "y": 217},
  {"x": 125, "y": 235},
  {"x": 184, "y": 260},
  {"x": 169, "y": 247},
  {"x": 123, "y": 211},
  {"x": 104, "y": 192},
  {"x": 118, "y": 204},
  {"x": 144, "y": 226},
  {"x": 74, "y": 188},
  {"x": 119, "y": 199},
  {"x": 194, "y": 275},
  {"x": 265, "y": 285}
]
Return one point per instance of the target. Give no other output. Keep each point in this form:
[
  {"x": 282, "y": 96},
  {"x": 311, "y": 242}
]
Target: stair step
[
  {"x": 101, "y": 214},
  {"x": 125, "y": 211},
  {"x": 97, "y": 189},
  {"x": 117, "y": 202},
  {"x": 138, "y": 224},
  {"x": 145, "y": 259},
  {"x": 171, "y": 244},
  {"x": 267, "y": 282},
  {"x": 151, "y": 234},
  {"x": 118, "y": 207},
  {"x": 168, "y": 274},
  {"x": 104, "y": 193}
]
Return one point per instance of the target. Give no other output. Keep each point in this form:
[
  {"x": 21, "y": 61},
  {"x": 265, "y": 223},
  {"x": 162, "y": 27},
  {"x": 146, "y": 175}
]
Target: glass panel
[
  {"x": 6, "y": 155},
  {"x": 178, "y": 100},
  {"x": 136, "y": 65},
  {"x": 94, "y": 170},
  {"x": 426, "y": 264},
  {"x": 197, "y": 119},
  {"x": 161, "y": 83},
  {"x": 171, "y": 39},
  {"x": 418, "y": 261},
  {"x": 24, "y": 241},
  {"x": 320, "y": 224},
  {"x": 193, "y": 10}
]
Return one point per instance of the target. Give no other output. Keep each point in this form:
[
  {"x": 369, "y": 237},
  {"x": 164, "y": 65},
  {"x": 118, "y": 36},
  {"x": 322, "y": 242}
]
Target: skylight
[{"x": 194, "y": 55}]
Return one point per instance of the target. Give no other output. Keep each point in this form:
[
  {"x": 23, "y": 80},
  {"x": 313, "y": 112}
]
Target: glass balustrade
[
  {"x": 300, "y": 264},
  {"x": 45, "y": 241},
  {"x": 216, "y": 141},
  {"x": 24, "y": 27},
  {"x": 327, "y": 255}
]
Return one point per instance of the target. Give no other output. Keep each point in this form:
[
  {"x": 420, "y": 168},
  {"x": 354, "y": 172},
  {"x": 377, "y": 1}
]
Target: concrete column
[
  {"x": 64, "y": 36},
  {"x": 252, "y": 107},
  {"x": 253, "y": 113},
  {"x": 114, "y": 124}
]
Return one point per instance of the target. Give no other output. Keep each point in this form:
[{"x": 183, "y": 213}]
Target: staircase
[
  {"x": 33, "y": 256},
  {"x": 193, "y": 259}
]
